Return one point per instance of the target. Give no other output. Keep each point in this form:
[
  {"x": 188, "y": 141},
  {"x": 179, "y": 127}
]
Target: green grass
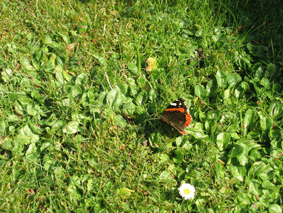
[{"x": 78, "y": 124}]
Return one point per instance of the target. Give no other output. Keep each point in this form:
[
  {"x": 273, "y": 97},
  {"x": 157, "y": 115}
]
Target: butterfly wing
[
  {"x": 175, "y": 119},
  {"x": 177, "y": 116}
]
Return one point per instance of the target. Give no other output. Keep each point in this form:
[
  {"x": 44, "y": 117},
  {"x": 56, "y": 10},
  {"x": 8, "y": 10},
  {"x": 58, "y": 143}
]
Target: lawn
[{"x": 82, "y": 84}]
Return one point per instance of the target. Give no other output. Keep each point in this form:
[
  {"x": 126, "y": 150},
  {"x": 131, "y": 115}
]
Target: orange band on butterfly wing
[
  {"x": 182, "y": 110},
  {"x": 188, "y": 120}
]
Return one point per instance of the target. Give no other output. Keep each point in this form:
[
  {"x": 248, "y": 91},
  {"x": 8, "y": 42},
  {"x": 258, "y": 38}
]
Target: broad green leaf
[
  {"x": 221, "y": 79},
  {"x": 50, "y": 64},
  {"x": 133, "y": 87},
  {"x": 71, "y": 127},
  {"x": 257, "y": 168},
  {"x": 30, "y": 36},
  {"x": 277, "y": 87},
  {"x": 101, "y": 97},
  {"x": 48, "y": 161},
  {"x": 142, "y": 81},
  {"x": 249, "y": 118},
  {"x": 274, "y": 208},
  {"x": 59, "y": 74},
  {"x": 244, "y": 199},
  {"x": 196, "y": 133},
  {"x": 274, "y": 133},
  {"x": 6, "y": 75},
  {"x": 26, "y": 135},
  {"x": 3, "y": 125},
  {"x": 154, "y": 139},
  {"x": 123, "y": 88},
  {"x": 271, "y": 69},
  {"x": 152, "y": 95},
  {"x": 13, "y": 96},
  {"x": 236, "y": 151},
  {"x": 245, "y": 86},
  {"x": 133, "y": 68},
  {"x": 12, "y": 47},
  {"x": 65, "y": 37},
  {"x": 131, "y": 82},
  {"x": 239, "y": 91},
  {"x": 257, "y": 88},
  {"x": 37, "y": 95},
  {"x": 211, "y": 88},
  {"x": 79, "y": 117},
  {"x": 179, "y": 156},
  {"x": 253, "y": 187},
  {"x": 243, "y": 160},
  {"x": 265, "y": 82},
  {"x": 200, "y": 91},
  {"x": 271, "y": 108},
  {"x": 129, "y": 108},
  {"x": 60, "y": 61},
  {"x": 120, "y": 121},
  {"x": 19, "y": 109},
  {"x": 32, "y": 109},
  {"x": 245, "y": 61},
  {"x": 47, "y": 40},
  {"x": 260, "y": 73},
  {"x": 60, "y": 173},
  {"x": 103, "y": 61},
  {"x": 236, "y": 172},
  {"x": 178, "y": 141},
  {"x": 75, "y": 91},
  {"x": 257, "y": 50},
  {"x": 194, "y": 63},
  {"x": 45, "y": 146},
  {"x": 233, "y": 79},
  {"x": 19, "y": 145},
  {"x": 25, "y": 100},
  {"x": 278, "y": 112},
  {"x": 251, "y": 48},
  {"x": 66, "y": 102},
  {"x": 39, "y": 55},
  {"x": 26, "y": 64},
  {"x": 32, "y": 153},
  {"x": 115, "y": 97},
  {"x": 82, "y": 79},
  {"x": 67, "y": 76},
  {"x": 227, "y": 94},
  {"x": 164, "y": 158},
  {"x": 223, "y": 140},
  {"x": 90, "y": 185},
  {"x": 166, "y": 177},
  {"x": 263, "y": 176},
  {"x": 57, "y": 124},
  {"x": 268, "y": 185},
  {"x": 265, "y": 123},
  {"x": 6, "y": 143},
  {"x": 142, "y": 97},
  {"x": 234, "y": 135},
  {"x": 75, "y": 196}
]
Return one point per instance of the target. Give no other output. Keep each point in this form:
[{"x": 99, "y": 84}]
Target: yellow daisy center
[{"x": 187, "y": 191}]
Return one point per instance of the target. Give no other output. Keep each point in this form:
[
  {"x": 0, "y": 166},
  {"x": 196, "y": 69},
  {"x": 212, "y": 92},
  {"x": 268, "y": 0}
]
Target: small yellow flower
[
  {"x": 151, "y": 64},
  {"x": 124, "y": 192},
  {"x": 187, "y": 191}
]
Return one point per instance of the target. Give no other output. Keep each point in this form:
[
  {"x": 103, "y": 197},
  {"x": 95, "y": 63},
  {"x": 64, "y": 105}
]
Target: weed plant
[{"x": 78, "y": 105}]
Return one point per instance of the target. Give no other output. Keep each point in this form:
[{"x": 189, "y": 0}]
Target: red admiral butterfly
[{"x": 177, "y": 116}]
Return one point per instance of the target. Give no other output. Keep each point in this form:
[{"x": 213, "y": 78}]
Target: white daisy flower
[{"x": 187, "y": 191}]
